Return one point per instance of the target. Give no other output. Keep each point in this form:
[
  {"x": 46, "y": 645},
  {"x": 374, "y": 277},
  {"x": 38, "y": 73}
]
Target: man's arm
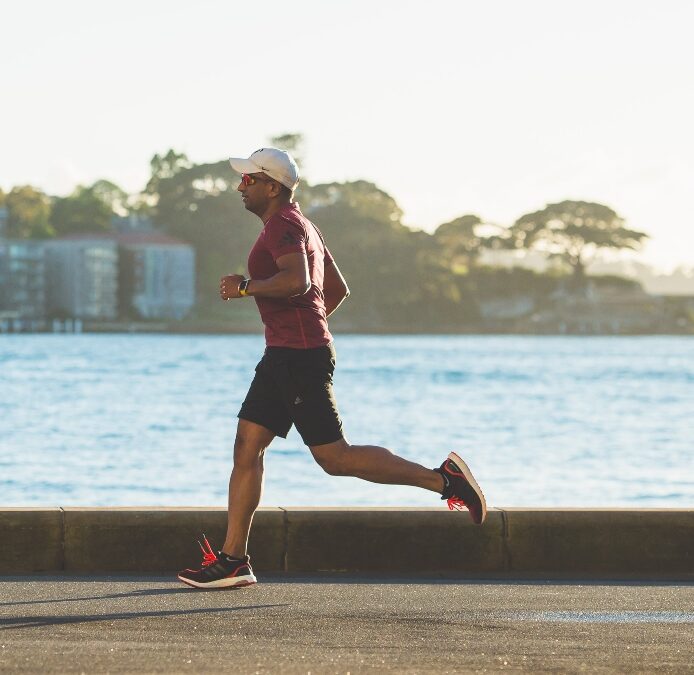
[
  {"x": 292, "y": 279},
  {"x": 334, "y": 288}
]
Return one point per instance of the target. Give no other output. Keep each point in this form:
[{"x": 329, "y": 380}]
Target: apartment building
[
  {"x": 22, "y": 279},
  {"x": 157, "y": 274},
  {"x": 82, "y": 277}
]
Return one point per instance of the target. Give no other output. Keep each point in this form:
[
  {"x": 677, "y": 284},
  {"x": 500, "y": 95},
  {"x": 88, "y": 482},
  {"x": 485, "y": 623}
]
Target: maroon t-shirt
[{"x": 298, "y": 322}]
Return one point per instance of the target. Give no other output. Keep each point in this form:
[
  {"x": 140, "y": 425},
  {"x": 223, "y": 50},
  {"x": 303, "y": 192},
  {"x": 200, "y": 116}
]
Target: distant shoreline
[{"x": 222, "y": 328}]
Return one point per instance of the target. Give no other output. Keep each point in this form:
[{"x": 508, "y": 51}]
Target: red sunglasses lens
[{"x": 246, "y": 179}]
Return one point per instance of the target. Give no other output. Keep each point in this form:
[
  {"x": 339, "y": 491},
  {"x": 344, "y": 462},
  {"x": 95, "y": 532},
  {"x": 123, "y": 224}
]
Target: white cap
[{"x": 277, "y": 164}]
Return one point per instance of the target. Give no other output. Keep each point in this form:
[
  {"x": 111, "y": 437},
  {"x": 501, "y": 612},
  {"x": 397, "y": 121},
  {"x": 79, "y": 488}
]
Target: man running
[{"x": 297, "y": 284}]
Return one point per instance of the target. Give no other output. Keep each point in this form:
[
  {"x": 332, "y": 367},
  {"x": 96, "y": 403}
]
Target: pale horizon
[{"x": 453, "y": 108}]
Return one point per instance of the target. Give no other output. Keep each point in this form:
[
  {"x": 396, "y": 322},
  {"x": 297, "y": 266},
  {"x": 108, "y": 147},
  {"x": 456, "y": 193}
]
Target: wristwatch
[{"x": 243, "y": 286}]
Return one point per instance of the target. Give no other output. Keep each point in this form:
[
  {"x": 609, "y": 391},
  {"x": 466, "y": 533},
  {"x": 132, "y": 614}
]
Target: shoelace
[
  {"x": 209, "y": 557},
  {"x": 456, "y": 504}
]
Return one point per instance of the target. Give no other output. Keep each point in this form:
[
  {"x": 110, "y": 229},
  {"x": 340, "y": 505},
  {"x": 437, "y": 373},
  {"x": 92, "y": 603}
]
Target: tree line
[{"x": 399, "y": 277}]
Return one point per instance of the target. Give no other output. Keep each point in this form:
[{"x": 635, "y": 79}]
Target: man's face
[{"x": 256, "y": 192}]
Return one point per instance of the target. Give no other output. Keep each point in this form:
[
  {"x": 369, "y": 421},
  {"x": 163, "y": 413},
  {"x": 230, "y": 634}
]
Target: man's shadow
[
  {"x": 9, "y": 623},
  {"x": 110, "y": 596}
]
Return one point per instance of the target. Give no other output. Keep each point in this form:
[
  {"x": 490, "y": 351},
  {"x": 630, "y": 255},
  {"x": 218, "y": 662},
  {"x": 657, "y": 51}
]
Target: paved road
[{"x": 154, "y": 624}]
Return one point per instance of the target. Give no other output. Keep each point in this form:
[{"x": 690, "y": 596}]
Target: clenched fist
[{"x": 229, "y": 286}]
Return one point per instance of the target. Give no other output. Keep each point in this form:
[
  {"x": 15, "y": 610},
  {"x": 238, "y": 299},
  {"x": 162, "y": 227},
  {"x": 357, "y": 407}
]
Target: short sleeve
[{"x": 283, "y": 237}]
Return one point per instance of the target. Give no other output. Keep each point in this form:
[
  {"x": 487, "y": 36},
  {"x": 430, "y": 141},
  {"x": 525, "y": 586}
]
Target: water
[{"x": 543, "y": 421}]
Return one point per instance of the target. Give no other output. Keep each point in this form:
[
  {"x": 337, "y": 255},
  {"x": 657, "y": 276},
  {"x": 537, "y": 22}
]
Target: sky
[{"x": 494, "y": 108}]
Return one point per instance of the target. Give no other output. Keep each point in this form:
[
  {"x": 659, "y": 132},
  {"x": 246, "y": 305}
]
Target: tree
[
  {"x": 393, "y": 272},
  {"x": 573, "y": 231},
  {"x": 360, "y": 197},
  {"x": 28, "y": 211},
  {"x": 460, "y": 238},
  {"x": 199, "y": 204},
  {"x": 111, "y": 194},
  {"x": 166, "y": 166},
  {"x": 82, "y": 211}
]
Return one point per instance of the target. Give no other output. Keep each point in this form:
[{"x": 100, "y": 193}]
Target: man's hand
[{"x": 229, "y": 286}]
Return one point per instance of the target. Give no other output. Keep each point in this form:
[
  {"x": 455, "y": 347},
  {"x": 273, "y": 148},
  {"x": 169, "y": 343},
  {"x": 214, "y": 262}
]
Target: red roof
[
  {"x": 85, "y": 235},
  {"x": 128, "y": 238},
  {"x": 135, "y": 238}
]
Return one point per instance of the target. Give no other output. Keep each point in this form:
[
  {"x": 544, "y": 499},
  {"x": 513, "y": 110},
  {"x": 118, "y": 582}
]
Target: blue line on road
[{"x": 592, "y": 617}]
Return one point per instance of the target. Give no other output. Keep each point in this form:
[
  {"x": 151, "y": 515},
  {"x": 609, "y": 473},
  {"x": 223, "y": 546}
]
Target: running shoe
[
  {"x": 461, "y": 489},
  {"x": 218, "y": 570}
]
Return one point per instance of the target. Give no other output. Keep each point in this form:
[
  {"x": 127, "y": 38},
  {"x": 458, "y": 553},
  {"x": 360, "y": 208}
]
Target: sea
[{"x": 132, "y": 419}]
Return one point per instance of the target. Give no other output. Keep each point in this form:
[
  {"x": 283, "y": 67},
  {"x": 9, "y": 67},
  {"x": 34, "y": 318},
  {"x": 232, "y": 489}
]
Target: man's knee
[
  {"x": 334, "y": 460},
  {"x": 250, "y": 443},
  {"x": 247, "y": 451}
]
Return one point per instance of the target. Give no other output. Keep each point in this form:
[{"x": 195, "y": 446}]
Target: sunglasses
[{"x": 248, "y": 179}]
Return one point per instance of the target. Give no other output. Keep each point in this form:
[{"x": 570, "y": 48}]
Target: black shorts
[{"x": 295, "y": 386}]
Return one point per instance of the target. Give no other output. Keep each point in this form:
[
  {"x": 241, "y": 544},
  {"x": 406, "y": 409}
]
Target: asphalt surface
[{"x": 327, "y": 625}]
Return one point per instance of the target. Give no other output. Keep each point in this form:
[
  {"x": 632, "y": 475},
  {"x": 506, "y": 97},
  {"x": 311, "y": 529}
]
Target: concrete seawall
[{"x": 513, "y": 543}]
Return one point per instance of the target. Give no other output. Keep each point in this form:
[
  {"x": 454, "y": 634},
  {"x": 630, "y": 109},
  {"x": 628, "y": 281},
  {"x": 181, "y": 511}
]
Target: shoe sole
[
  {"x": 247, "y": 580},
  {"x": 470, "y": 479}
]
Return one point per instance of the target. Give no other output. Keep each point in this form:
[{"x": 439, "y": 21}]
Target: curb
[{"x": 513, "y": 542}]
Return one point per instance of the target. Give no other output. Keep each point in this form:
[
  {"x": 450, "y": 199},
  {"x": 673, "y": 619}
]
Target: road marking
[{"x": 625, "y": 616}]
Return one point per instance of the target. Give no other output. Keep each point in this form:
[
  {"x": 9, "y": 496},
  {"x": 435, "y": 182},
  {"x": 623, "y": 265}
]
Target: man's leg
[
  {"x": 245, "y": 484},
  {"x": 453, "y": 480},
  {"x": 315, "y": 415},
  {"x": 375, "y": 464}
]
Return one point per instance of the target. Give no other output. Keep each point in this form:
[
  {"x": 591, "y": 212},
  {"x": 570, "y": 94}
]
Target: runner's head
[{"x": 268, "y": 175}]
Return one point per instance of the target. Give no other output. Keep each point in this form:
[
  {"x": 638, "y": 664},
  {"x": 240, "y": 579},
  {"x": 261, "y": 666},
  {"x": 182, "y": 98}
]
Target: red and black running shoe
[
  {"x": 218, "y": 570},
  {"x": 461, "y": 488}
]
